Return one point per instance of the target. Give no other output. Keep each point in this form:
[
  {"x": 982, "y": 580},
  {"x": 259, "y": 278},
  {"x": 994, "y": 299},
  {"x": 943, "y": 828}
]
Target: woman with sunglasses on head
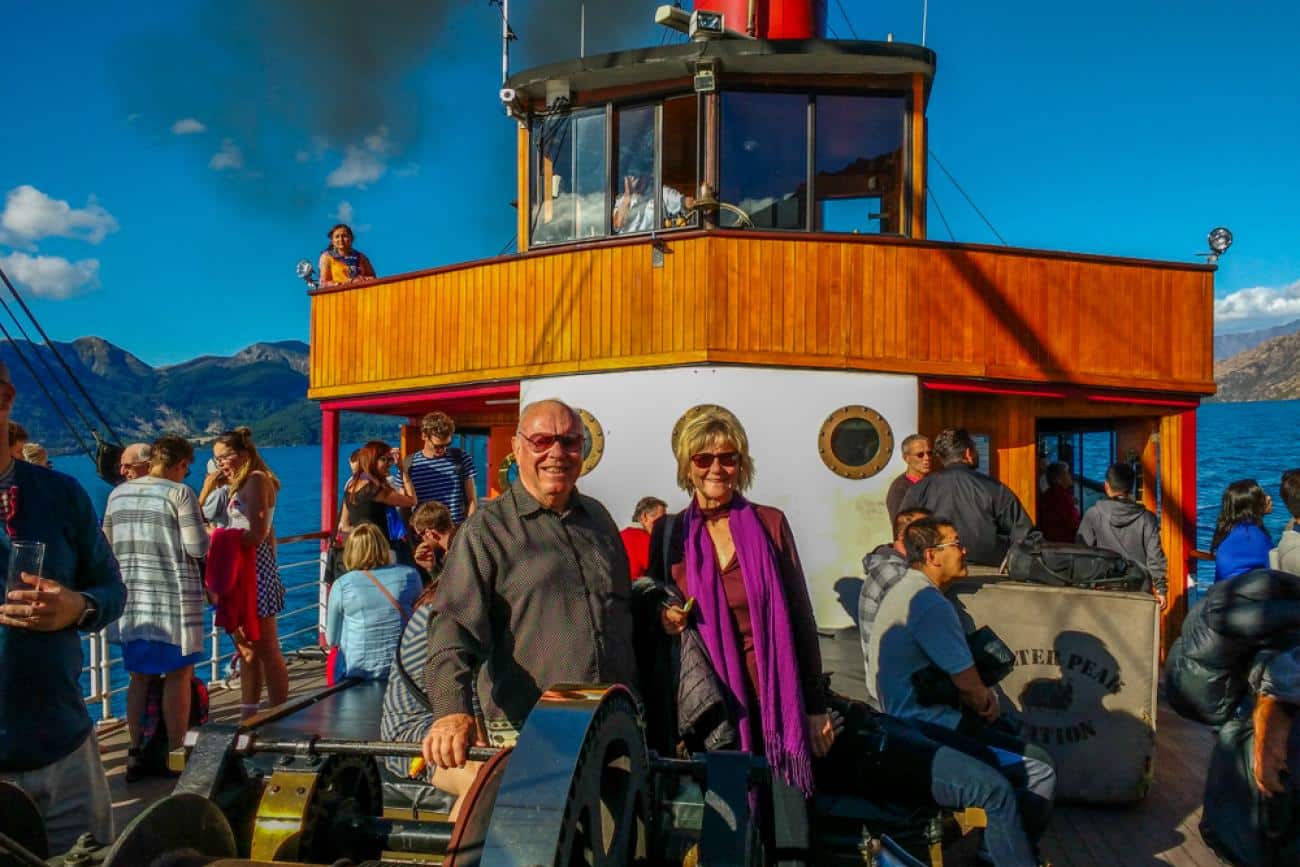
[
  {"x": 253, "y": 489},
  {"x": 736, "y": 564},
  {"x": 368, "y": 493}
]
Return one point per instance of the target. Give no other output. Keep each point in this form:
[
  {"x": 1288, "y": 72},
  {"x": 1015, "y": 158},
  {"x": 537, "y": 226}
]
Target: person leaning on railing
[{"x": 47, "y": 746}]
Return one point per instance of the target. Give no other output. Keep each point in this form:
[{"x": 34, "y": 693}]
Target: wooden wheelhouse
[{"x": 741, "y": 220}]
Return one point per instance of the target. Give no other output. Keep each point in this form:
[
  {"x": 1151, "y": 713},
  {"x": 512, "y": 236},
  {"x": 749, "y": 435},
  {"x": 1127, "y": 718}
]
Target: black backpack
[{"x": 1059, "y": 564}]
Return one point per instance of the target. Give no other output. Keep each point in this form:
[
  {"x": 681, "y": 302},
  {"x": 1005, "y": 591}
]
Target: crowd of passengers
[{"x": 469, "y": 610}]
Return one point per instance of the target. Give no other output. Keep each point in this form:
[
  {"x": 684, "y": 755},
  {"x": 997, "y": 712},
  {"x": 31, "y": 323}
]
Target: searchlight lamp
[
  {"x": 1219, "y": 239},
  {"x": 307, "y": 273}
]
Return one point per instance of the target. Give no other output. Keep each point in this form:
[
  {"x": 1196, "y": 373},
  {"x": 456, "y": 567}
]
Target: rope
[
  {"x": 942, "y": 218},
  {"x": 59, "y": 358},
  {"x": 968, "y": 199},
  {"x": 846, "y": 19},
  {"x": 67, "y": 396},
  {"x": 41, "y": 385}
]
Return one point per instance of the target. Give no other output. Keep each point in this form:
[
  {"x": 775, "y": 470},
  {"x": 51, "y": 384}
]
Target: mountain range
[
  {"x": 1268, "y": 371},
  {"x": 1228, "y": 345},
  {"x": 263, "y": 386}
]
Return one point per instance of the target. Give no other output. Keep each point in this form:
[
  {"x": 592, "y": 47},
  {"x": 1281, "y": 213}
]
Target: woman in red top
[{"x": 737, "y": 561}]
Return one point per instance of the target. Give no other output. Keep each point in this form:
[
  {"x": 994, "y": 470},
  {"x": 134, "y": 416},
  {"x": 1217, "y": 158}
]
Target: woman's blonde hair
[
  {"x": 710, "y": 427},
  {"x": 366, "y": 548},
  {"x": 241, "y": 440}
]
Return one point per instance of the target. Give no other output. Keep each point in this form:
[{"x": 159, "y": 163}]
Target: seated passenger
[
  {"x": 408, "y": 713},
  {"x": 1240, "y": 541},
  {"x": 883, "y": 568},
  {"x": 1286, "y": 556},
  {"x": 340, "y": 262},
  {"x": 368, "y": 606},
  {"x": 1058, "y": 513},
  {"x": 1274, "y": 717},
  {"x": 916, "y": 627},
  {"x": 432, "y": 525}
]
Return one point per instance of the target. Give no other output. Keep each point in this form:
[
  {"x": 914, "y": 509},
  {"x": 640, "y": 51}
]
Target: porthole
[
  {"x": 855, "y": 442},
  {"x": 693, "y": 412},
  {"x": 593, "y": 442}
]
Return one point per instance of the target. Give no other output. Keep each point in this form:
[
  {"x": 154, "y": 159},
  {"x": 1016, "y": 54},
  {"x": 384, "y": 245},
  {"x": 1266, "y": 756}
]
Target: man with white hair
[
  {"x": 135, "y": 460},
  {"x": 535, "y": 591}
]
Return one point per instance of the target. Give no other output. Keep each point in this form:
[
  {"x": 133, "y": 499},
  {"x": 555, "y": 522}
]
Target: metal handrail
[{"x": 106, "y": 670}]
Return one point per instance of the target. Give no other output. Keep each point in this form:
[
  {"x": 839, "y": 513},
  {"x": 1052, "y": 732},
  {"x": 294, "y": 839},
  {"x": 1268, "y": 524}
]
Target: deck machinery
[{"x": 580, "y": 788}]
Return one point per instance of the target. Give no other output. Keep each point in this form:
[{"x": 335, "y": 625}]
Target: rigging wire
[
  {"x": 846, "y": 19},
  {"x": 41, "y": 385},
  {"x": 59, "y": 358},
  {"x": 971, "y": 201},
  {"x": 50, "y": 372},
  {"x": 513, "y": 239},
  {"x": 942, "y": 218}
]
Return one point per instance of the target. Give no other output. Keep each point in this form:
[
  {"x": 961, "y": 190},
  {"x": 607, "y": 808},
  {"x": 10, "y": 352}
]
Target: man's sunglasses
[
  {"x": 925, "y": 454},
  {"x": 542, "y": 442},
  {"x": 704, "y": 460}
]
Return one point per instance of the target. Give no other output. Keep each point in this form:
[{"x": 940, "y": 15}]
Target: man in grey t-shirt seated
[{"x": 916, "y": 627}]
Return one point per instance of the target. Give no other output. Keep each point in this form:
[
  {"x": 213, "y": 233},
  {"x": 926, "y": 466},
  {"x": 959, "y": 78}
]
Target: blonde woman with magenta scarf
[{"x": 738, "y": 561}]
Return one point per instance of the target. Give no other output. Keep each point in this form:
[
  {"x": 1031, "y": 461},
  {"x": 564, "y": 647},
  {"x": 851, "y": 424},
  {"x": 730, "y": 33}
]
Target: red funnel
[{"x": 773, "y": 19}]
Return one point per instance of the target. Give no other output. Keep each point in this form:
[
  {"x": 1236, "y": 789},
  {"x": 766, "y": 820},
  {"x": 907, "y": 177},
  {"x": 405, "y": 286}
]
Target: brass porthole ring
[
  {"x": 593, "y": 442},
  {"x": 855, "y": 442},
  {"x": 695, "y": 411}
]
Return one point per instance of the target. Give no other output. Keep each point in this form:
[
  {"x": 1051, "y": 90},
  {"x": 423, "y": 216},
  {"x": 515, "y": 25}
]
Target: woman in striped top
[{"x": 156, "y": 530}]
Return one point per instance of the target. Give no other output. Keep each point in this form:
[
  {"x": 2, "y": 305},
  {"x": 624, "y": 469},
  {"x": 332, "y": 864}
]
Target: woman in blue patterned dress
[{"x": 251, "y": 508}]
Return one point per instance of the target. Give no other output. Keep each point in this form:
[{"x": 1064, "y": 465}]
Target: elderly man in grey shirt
[{"x": 535, "y": 590}]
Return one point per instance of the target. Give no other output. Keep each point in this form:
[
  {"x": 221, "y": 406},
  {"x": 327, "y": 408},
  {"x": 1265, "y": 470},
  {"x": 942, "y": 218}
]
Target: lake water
[{"x": 1235, "y": 441}]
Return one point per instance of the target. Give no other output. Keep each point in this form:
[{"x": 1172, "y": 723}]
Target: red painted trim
[
  {"x": 1069, "y": 391},
  {"x": 329, "y": 468},
  {"x": 981, "y": 388},
  {"x": 1153, "y": 401},
  {"x": 1188, "y": 501},
  {"x": 402, "y": 398}
]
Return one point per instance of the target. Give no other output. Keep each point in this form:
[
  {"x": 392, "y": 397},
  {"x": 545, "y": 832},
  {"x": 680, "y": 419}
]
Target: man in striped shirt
[{"x": 440, "y": 472}]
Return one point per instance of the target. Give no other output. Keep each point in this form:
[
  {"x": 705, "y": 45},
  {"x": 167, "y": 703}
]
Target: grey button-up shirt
[{"x": 537, "y": 598}]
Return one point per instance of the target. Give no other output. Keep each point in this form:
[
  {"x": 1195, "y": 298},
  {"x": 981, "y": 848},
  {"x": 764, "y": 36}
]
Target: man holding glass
[{"x": 61, "y": 580}]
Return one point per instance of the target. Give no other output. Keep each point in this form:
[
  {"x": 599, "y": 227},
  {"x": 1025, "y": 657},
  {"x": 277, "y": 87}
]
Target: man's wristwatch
[{"x": 89, "y": 613}]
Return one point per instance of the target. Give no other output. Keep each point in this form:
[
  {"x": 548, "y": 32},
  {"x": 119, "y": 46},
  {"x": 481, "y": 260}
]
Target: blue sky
[{"x": 164, "y": 165}]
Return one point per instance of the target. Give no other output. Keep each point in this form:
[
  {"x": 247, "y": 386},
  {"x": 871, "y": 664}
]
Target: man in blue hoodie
[{"x": 47, "y": 742}]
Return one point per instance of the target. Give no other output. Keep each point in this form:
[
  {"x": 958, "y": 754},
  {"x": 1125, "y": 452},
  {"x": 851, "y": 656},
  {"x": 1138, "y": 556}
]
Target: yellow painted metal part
[{"x": 282, "y": 814}]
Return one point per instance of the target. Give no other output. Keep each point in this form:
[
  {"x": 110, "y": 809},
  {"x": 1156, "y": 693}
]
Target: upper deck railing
[{"x": 771, "y": 298}]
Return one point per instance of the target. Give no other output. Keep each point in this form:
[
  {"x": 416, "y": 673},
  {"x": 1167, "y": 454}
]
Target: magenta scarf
[{"x": 780, "y": 695}]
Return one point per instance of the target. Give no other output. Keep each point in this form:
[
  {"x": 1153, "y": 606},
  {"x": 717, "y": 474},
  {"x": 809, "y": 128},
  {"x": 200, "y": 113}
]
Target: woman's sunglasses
[{"x": 704, "y": 460}]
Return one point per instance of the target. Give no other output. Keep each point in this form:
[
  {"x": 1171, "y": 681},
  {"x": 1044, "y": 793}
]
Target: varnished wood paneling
[{"x": 818, "y": 301}]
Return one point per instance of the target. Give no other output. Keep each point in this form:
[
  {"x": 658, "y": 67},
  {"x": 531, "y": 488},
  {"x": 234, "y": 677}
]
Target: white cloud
[
  {"x": 229, "y": 157},
  {"x": 1258, "y": 303},
  {"x": 344, "y": 214},
  {"x": 52, "y": 276},
  {"x": 30, "y": 215},
  {"x": 188, "y": 126},
  {"x": 364, "y": 165}
]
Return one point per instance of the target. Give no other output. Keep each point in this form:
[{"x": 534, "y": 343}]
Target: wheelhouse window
[
  {"x": 763, "y": 160},
  {"x": 860, "y": 142},
  {"x": 569, "y": 177},
  {"x": 654, "y": 179}
]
